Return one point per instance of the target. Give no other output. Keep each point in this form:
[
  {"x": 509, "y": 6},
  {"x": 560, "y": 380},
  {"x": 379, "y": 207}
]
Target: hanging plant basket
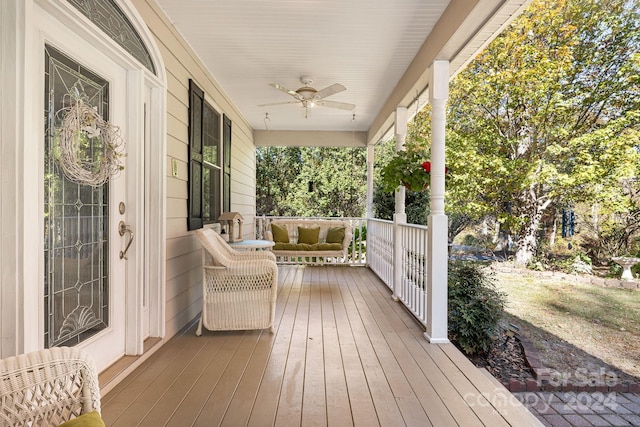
[
  {"x": 90, "y": 148},
  {"x": 407, "y": 168},
  {"x": 412, "y": 187}
]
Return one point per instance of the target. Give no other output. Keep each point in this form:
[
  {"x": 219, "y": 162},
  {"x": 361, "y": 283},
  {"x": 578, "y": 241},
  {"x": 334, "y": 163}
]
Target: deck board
[
  {"x": 337, "y": 399},
  {"x": 362, "y": 407},
  {"x": 410, "y": 409},
  {"x": 314, "y": 410},
  {"x": 431, "y": 385},
  {"x": 343, "y": 353}
]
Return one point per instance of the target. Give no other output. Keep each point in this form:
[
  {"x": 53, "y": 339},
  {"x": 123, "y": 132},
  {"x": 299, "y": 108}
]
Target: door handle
[{"x": 124, "y": 229}]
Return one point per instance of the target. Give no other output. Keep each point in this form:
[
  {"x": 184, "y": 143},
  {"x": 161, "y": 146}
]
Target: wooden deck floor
[{"x": 344, "y": 353}]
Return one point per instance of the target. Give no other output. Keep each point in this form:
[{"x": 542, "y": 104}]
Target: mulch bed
[
  {"x": 506, "y": 361},
  {"x": 515, "y": 362}
]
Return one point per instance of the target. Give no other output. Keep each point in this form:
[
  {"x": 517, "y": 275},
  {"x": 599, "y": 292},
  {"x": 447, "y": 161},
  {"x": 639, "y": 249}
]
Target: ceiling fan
[{"x": 309, "y": 97}]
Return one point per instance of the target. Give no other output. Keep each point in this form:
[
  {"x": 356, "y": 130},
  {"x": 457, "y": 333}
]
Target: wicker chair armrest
[
  {"x": 253, "y": 255},
  {"x": 257, "y": 267},
  {"x": 347, "y": 239},
  {"x": 48, "y": 386}
]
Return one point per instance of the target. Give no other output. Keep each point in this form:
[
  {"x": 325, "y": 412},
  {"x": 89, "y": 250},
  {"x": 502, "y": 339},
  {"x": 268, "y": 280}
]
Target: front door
[{"x": 85, "y": 229}]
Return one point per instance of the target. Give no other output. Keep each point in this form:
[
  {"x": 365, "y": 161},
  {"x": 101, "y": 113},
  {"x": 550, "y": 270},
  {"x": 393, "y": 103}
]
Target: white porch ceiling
[{"x": 369, "y": 46}]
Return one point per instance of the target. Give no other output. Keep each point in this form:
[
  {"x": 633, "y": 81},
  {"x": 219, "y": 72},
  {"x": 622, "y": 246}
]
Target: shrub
[
  {"x": 475, "y": 308},
  {"x": 578, "y": 263}
]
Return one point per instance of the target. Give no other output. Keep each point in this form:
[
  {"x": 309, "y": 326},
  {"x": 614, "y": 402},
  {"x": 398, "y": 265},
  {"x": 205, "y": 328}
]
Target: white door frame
[{"x": 21, "y": 55}]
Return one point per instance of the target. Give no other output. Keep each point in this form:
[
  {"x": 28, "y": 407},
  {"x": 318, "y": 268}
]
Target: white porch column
[
  {"x": 20, "y": 218},
  {"x": 437, "y": 243},
  {"x": 370, "y": 163},
  {"x": 399, "y": 217}
]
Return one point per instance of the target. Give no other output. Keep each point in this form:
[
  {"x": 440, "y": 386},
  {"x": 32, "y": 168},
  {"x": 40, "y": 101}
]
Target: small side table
[{"x": 252, "y": 244}]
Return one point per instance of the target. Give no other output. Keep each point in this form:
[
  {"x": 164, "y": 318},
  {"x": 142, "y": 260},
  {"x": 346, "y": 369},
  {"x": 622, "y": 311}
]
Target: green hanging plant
[{"x": 409, "y": 168}]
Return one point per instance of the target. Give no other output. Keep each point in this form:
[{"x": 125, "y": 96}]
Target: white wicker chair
[
  {"x": 239, "y": 289},
  {"x": 235, "y": 255},
  {"x": 47, "y": 387}
]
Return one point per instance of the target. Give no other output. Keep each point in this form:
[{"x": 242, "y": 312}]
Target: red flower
[{"x": 427, "y": 167}]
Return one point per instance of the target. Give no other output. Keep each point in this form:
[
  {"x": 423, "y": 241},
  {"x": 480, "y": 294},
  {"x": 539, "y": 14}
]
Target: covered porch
[{"x": 344, "y": 353}]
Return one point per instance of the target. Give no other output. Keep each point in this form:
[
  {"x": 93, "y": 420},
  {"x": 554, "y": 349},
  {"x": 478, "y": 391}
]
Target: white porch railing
[
  {"x": 380, "y": 249},
  {"x": 412, "y": 289},
  {"x": 372, "y": 245}
]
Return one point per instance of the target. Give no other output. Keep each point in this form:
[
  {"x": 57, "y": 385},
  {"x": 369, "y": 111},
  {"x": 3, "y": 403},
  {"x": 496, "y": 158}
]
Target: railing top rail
[
  {"x": 384, "y": 221},
  {"x": 311, "y": 217},
  {"x": 417, "y": 226}
]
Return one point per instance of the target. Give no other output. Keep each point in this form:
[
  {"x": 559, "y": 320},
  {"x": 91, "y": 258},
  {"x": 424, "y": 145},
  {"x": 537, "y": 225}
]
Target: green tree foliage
[
  {"x": 276, "y": 171},
  {"x": 548, "y": 115},
  {"x": 332, "y": 182},
  {"x": 614, "y": 233},
  {"x": 311, "y": 181}
]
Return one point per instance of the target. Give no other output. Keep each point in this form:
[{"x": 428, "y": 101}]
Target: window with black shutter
[{"x": 204, "y": 160}]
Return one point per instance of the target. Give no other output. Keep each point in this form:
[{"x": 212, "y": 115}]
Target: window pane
[
  {"x": 215, "y": 195},
  {"x": 206, "y": 191},
  {"x": 226, "y": 143},
  {"x": 211, "y": 135},
  {"x": 76, "y": 236},
  {"x": 211, "y": 194},
  {"x": 108, "y": 16}
]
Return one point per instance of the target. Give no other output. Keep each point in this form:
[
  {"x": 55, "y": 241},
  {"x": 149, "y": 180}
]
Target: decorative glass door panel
[{"x": 76, "y": 224}]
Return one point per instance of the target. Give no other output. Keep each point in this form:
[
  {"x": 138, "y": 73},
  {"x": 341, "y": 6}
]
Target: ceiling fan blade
[
  {"x": 285, "y": 90},
  {"x": 279, "y": 103},
  {"x": 329, "y": 90},
  {"x": 334, "y": 104}
]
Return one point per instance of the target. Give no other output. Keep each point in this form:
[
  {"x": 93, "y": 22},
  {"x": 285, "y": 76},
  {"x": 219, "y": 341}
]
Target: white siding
[{"x": 183, "y": 294}]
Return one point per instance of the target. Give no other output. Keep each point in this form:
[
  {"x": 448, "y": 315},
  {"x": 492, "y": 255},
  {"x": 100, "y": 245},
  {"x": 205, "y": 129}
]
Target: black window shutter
[
  {"x": 226, "y": 181},
  {"x": 196, "y": 102}
]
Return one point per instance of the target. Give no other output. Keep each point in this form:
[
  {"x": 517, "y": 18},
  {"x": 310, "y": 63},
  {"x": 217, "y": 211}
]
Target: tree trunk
[
  {"x": 528, "y": 242},
  {"x": 527, "y": 245}
]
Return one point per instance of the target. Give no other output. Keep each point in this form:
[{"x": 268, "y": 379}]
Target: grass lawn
[{"x": 576, "y": 326}]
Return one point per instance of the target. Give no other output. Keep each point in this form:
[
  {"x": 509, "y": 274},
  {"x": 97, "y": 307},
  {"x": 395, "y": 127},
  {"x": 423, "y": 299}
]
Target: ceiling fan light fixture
[
  {"x": 306, "y": 92},
  {"x": 309, "y": 97}
]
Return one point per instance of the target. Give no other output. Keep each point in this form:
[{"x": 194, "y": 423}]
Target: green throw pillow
[
  {"x": 308, "y": 235},
  {"x": 335, "y": 235},
  {"x": 280, "y": 234},
  {"x": 90, "y": 419}
]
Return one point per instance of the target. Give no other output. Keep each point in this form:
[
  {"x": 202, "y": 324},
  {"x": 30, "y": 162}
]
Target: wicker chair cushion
[
  {"x": 329, "y": 246},
  {"x": 90, "y": 419}
]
